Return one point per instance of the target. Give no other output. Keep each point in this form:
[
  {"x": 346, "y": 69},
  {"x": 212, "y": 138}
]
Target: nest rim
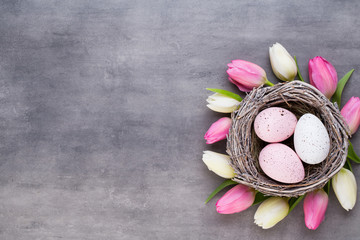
[{"x": 243, "y": 146}]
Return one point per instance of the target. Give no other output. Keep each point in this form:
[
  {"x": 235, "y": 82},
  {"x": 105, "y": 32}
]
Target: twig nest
[{"x": 244, "y": 146}]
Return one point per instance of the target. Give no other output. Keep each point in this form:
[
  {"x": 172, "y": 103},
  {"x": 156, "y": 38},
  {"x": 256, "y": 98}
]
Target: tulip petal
[
  {"x": 221, "y": 103},
  {"x": 246, "y": 75},
  {"x": 351, "y": 113},
  {"x": 315, "y": 205},
  {"x": 248, "y": 79},
  {"x": 219, "y": 164},
  {"x": 282, "y": 63},
  {"x": 271, "y": 211},
  {"x": 323, "y": 76},
  {"x": 249, "y": 67},
  {"x": 237, "y": 199},
  {"x": 241, "y": 87},
  {"x": 218, "y": 130},
  {"x": 345, "y": 188}
]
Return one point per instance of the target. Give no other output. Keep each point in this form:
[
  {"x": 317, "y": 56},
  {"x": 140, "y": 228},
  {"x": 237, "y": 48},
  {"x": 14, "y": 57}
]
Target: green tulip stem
[
  {"x": 295, "y": 201},
  {"x": 269, "y": 83}
]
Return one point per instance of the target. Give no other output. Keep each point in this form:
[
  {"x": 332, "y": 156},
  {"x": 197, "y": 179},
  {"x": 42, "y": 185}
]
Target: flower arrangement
[{"x": 313, "y": 139}]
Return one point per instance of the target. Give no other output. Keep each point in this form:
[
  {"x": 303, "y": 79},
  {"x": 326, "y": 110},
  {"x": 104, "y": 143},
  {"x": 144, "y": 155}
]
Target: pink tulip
[
  {"x": 351, "y": 113},
  {"x": 246, "y": 75},
  {"x": 323, "y": 76},
  {"x": 218, "y": 130},
  {"x": 315, "y": 204},
  {"x": 235, "y": 200}
]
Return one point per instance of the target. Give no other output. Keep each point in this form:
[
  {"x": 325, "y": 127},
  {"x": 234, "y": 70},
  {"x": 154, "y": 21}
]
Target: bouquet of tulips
[{"x": 246, "y": 76}]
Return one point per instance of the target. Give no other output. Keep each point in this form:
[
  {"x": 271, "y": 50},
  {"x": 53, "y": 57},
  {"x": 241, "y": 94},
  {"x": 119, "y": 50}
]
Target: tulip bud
[
  {"x": 351, "y": 113},
  {"x": 219, "y": 164},
  {"x": 237, "y": 199},
  {"x": 315, "y": 204},
  {"x": 246, "y": 75},
  {"x": 271, "y": 211},
  {"x": 323, "y": 76},
  {"x": 344, "y": 185},
  {"x": 282, "y": 63},
  {"x": 221, "y": 103},
  {"x": 218, "y": 130}
]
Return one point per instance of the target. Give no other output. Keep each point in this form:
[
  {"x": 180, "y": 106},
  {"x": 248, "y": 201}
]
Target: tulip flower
[
  {"x": 237, "y": 199},
  {"x": 315, "y": 204},
  {"x": 219, "y": 164},
  {"x": 218, "y": 130},
  {"x": 221, "y": 103},
  {"x": 351, "y": 113},
  {"x": 344, "y": 185},
  {"x": 271, "y": 211},
  {"x": 246, "y": 75},
  {"x": 323, "y": 76},
  {"x": 282, "y": 63}
]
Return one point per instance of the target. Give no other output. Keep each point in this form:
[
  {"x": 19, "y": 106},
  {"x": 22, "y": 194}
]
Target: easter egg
[
  {"x": 311, "y": 139},
  {"x": 275, "y": 124},
  {"x": 281, "y": 163}
]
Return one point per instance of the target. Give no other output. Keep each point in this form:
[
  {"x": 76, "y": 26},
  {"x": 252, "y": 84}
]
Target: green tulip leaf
[
  {"x": 348, "y": 165},
  {"x": 259, "y": 197},
  {"x": 226, "y": 93},
  {"x": 294, "y": 201},
  {"x": 340, "y": 87},
  {"x": 327, "y": 187},
  {"x": 223, "y": 185},
  {"x": 298, "y": 71},
  {"x": 352, "y": 155}
]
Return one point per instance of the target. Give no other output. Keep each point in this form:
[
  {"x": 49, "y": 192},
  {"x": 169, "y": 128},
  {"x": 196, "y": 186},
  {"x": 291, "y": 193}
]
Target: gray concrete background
[{"x": 103, "y": 112}]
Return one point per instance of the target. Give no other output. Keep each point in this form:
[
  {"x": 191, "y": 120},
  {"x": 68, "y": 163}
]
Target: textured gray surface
[{"x": 103, "y": 112}]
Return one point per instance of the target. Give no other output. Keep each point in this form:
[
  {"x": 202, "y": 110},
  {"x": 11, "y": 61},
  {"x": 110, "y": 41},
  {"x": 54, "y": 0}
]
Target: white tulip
[
  {"x": 282, "y": 63},
  {"x": 221, "y": 103},
  {"x": 271, "y": 211},
  {"x": 344, "y": 185},
  {"x": 218, "y": 163}
]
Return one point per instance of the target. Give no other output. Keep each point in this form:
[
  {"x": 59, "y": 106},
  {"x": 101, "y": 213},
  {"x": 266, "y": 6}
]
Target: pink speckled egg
[
  {"x": 281, "y": 163},
  {"x": 275, "y": 124}
]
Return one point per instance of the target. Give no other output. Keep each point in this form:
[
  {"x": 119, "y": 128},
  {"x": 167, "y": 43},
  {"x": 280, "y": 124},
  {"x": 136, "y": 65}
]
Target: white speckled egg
[
  {"x": 275, "y": 124},
  {"x": 281, "y": 163},
  {"x": 311, "y": 139}
]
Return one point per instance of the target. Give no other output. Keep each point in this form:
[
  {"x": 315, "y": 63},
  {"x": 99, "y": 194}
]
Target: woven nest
[{"x": 244, "y": 146}]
